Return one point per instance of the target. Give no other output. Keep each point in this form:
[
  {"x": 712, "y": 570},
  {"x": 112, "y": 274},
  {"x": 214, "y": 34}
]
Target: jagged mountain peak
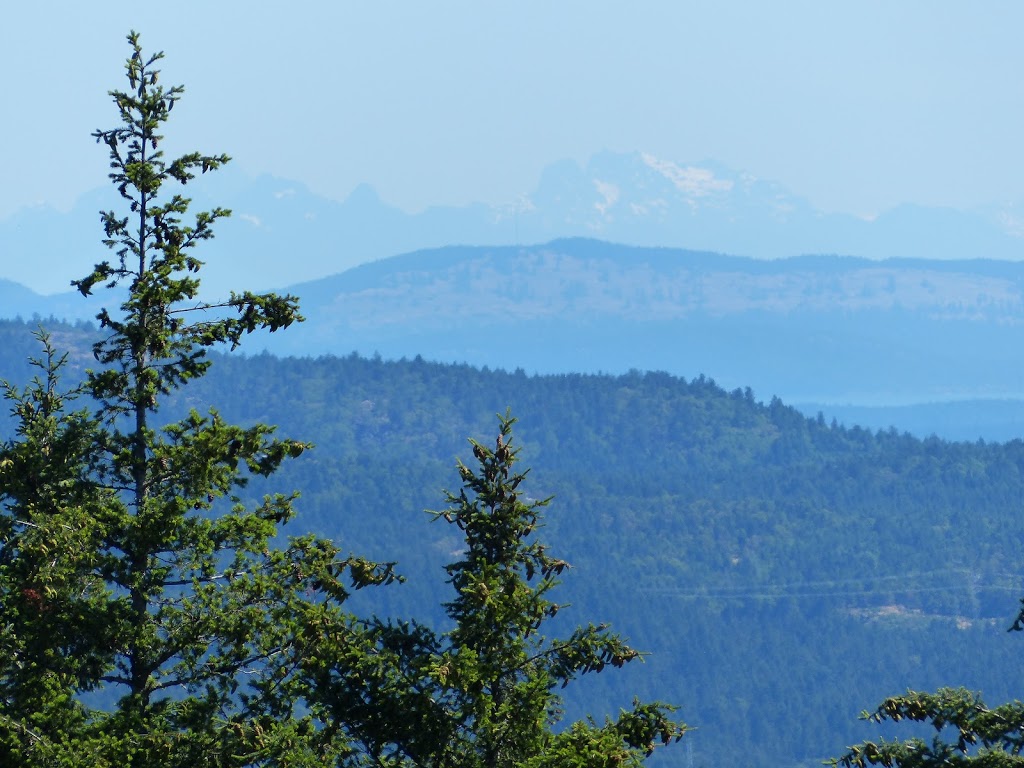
[{"x": 645, "y": 199}]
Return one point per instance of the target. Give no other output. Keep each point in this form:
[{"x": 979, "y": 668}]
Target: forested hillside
[{"x": 784, "y": 572}]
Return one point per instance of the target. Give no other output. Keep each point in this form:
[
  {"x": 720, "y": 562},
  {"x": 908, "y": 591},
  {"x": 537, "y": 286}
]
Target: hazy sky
[{"x": 857, "y": 106}]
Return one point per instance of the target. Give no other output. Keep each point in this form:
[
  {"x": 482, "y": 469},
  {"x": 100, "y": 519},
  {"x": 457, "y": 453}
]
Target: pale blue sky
[{"x": 857, "y": 106}]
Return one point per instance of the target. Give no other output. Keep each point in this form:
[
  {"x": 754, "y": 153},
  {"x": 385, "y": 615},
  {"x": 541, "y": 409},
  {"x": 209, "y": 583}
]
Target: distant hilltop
[
  {"x": 281, "y": 233},
  {"x": 815, "y": 329}
]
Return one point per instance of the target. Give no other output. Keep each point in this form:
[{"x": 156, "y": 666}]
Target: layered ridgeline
[
  {"x": 784, "y": 572},
  {"x": 281, "y": 232},
  {"x": 823, "y": 333}
]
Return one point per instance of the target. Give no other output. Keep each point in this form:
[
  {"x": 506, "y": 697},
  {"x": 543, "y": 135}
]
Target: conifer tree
[
  {"x": 486, "y": 693},
  {"x": 165, "y": 591}
]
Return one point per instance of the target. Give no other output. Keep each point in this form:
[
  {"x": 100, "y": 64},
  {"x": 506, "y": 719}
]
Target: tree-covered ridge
[
  {"x": 709, "y": 527},
  {"x": 655, "y": 435},
  {"x": 650, "y": 432}
]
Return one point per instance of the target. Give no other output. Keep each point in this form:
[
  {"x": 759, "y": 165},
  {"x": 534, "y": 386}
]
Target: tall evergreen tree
[
  {"x": 486, "y": 693},
  {"x": 165, "y": 590}
]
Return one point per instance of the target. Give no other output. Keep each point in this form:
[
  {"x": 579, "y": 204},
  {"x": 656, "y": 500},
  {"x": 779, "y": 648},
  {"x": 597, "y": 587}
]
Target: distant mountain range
[{"x": 282, "y": 234}]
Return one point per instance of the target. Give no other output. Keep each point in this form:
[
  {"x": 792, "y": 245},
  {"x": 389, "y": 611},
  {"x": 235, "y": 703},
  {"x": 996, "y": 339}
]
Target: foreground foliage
[
  {"x": 968, "y": 733},
  {"x": 151, "y": 616}
]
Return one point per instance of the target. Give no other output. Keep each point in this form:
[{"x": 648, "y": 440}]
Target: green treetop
[{"x": 486, "y": 693}]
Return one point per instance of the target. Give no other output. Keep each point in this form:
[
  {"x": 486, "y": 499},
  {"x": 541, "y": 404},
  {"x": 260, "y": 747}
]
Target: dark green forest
[{"x": 784, "y": 573}]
